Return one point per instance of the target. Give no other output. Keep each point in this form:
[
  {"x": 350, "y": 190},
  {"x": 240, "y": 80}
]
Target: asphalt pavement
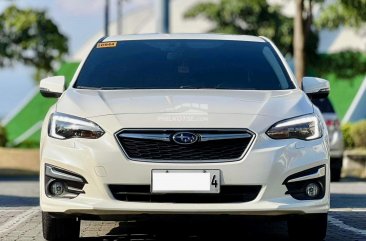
[{"x": 20, "y": 219}]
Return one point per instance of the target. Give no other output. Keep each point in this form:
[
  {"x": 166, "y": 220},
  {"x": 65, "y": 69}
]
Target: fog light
[
  {"x": 312, "y": 190},
  {"x": 57, "y": 188}
]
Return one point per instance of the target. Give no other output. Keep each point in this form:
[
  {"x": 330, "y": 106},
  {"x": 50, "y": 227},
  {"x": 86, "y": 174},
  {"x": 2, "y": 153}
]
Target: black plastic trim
[
  {"x": 297, "y": 189},
  {"x": 49, "y": 94},
  {"x": 73, "y": 184},
  {"x": 244, "y": 154}
]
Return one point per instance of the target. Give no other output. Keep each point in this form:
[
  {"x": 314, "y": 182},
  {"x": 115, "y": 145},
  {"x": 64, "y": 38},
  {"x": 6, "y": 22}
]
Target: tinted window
[
  {"x": 324, "y": 105},
  {"x": 171, "y": 64}
]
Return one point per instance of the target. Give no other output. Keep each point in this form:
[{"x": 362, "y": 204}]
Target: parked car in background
[{"x": 335, "y": 136}]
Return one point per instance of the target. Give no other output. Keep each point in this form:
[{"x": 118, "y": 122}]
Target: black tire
[
  {"x": 308, "y": 227},
  {"x": 336, "y": 164},
  {"x": 335, "y": 174},
  {"x": 60, "y": 228}
]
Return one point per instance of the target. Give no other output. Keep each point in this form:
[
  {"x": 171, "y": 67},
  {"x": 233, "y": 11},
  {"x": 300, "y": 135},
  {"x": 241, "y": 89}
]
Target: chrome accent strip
[
  {"x": 74, "y": 190},
  {"x": 319, "y": 173},
  {"x": 67, "y": 195},
  {"x": 51, "y": 172},
  {"x": 166, "y": 137},
  {"x": 215, "y": 137},
  {"x": 157, "y": 137},
  {"x": 245, "y": 152}
]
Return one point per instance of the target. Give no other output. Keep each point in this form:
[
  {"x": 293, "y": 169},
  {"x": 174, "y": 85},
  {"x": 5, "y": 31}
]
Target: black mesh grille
[
  {"x": 147, "y": 149},
  {"x": 228, "y": 194}
]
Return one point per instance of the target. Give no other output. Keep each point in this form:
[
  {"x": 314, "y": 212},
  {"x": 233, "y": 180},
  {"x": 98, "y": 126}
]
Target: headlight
[
  {"x": 303, "y": 128},
  {"x": 64, "y": 126}
]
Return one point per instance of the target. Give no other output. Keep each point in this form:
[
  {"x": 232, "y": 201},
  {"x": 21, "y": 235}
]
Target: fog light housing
[
  {"x": 312, "y": 190},
  {"x": 57, "y": 188},
  {"x": 309, "y": 184},
  {"x": 61, "y": 183}
]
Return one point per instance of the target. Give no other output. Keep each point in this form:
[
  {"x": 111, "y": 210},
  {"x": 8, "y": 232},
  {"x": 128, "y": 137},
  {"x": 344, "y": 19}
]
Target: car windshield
[
  {"x": 184, "y": 64},
  {"x": 324, "y": 105}
]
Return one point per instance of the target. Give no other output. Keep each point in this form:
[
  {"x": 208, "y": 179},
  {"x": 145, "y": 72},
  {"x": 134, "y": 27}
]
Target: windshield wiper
[
  {"x": 188, "y": 87},
  {"x": 121, "y": 88},
  {"x": 87, "y": 88},
  {"x": 198, "y": 87},
  {"x": 105, "y": 88},
  {"x": 137, "y": 88},
  {"x": 194, "y": 87}
]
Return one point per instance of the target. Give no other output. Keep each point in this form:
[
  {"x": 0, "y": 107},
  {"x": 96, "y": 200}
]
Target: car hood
[{"x": 95, "y": 103}]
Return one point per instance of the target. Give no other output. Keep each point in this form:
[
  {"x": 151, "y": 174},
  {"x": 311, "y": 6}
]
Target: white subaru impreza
[{"x": 184, "y": 124}]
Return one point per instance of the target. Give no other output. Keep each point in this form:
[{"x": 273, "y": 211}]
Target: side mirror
[
  {"x": 52, "y": 87},
  {"x": 316, "y": 88}
]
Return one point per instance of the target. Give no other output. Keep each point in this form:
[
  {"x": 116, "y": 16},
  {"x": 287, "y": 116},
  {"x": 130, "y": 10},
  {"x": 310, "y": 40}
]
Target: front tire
[
  {"x": 336, "y": 164},
  {"x": 60, "y": 228},
  {"x": 308, "y": 227}
]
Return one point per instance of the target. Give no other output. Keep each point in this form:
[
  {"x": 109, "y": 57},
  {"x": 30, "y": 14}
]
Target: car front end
[
  {"x": 109, "y": 152},
  {"x": 259, "y": 164}
]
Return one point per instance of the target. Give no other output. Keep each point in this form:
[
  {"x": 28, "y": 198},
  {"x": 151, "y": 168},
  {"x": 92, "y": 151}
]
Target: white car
[{"x": 184, "y": 124}]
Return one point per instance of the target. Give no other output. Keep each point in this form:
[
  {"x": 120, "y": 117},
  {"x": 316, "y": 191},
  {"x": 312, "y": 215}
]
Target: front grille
[
  {"x": 141, "y": 193},
  {"x": 158, "y": 145}
]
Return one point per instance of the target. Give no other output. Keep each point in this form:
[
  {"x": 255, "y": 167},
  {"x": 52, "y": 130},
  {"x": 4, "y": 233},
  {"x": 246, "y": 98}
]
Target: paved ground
[{"x": 20, "y": 220}]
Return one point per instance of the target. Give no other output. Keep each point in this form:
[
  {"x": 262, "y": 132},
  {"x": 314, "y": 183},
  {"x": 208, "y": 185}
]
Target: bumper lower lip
[{"x": 281, "y": 206}]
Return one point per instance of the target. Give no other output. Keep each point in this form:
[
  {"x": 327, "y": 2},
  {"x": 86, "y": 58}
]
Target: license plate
[{"x": 185, "y": 181}]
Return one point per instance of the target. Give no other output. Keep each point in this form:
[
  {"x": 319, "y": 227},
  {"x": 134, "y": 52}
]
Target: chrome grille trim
[
  {"x": 166, "y": 137},
  {"x": 157, "y": 137},
  {"x": 216, "y": 137}
]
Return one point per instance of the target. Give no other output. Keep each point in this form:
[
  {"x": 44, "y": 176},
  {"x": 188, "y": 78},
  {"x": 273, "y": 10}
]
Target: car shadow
[
  {"x": 18, "y": 201},
  {"x": 351, "y": 179},
  {"x": 192, "y": 230},
  {"x": 20, "y": 178},
  {"x": 14, "y": 191},
  {"x": 348, "y": 200}
]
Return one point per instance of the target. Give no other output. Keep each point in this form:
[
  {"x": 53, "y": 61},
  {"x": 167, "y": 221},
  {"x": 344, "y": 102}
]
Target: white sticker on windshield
[{"x": 107, "y": 45}]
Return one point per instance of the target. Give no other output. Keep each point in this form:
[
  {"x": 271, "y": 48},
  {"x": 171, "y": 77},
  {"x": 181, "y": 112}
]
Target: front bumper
[
  {"x": 103, "y": 207},
  {"x": 101, "y": 162}
]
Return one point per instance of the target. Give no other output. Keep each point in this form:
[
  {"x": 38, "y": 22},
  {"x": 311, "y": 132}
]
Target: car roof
[{"x": 157, "y": 36}]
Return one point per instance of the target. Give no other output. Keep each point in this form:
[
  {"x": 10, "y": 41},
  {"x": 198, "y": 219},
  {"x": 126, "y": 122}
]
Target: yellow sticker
[{"x": 107, "y": 45}]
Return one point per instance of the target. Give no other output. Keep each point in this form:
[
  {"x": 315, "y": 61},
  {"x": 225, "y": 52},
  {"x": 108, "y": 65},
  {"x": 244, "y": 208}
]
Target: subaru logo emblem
[{"x": 185, "y": 138}]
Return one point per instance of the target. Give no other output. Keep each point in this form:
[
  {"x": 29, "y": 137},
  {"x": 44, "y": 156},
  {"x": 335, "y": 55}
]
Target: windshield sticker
[{"x": 107, "y": 45}]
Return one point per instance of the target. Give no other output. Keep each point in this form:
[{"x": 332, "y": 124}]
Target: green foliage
[
  {"x": 343, "y": 91},
  {"x": 30, "y": 37},
  {"x": 3, "y": 136},
  {"x": 358, "y": 133},
  {"x": 35, "y": 111},
  {"x": 252, "y": 17},
  {"x": 345, "y": 65},
  {"x": 343, "y": 12},
  {"x": 347, "y": 137}
]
